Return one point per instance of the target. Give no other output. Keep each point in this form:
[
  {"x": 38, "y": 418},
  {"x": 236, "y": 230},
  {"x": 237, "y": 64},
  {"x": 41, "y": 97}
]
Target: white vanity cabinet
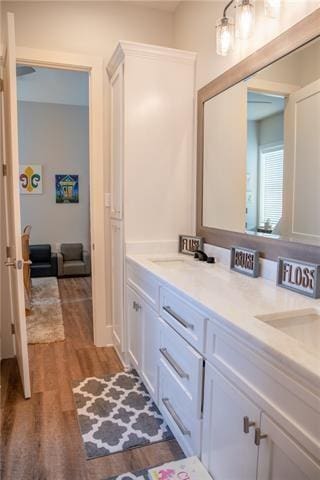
[
  {"x": 143, "y": 340},
  {"x": 143, "y": 328},
  {"x": 280, "y": 457},
  {"x": 228, "y": 452},
  {"x": 246, "y": 414},
  {"x": 258, "y": 425},
  {"x": 240, "y": 442},
  {"x": 152, "y": 133}
]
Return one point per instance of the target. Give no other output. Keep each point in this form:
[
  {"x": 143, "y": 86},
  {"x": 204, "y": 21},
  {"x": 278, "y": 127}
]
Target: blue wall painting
[{"x": 67, "y": 188}]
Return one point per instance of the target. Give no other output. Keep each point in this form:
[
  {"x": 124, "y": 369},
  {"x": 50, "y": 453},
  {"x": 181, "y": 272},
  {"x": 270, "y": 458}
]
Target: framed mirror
[{"x": 258, "y": 175}]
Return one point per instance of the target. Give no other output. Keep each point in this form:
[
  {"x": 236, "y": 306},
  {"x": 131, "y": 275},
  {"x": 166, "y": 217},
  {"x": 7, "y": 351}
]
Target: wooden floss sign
[{"x": 298, "y": 276}]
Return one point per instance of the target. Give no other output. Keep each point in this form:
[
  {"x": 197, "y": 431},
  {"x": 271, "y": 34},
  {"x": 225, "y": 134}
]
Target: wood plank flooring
[{"x": 40, "y": 437}]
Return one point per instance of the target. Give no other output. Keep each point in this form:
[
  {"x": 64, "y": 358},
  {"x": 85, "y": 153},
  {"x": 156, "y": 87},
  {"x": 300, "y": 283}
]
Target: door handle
[
  {"x": 259, "y": 436},
  {"x": 18, "y": 264},
  {"x": 175, "y": 417},
  {"x": 177, "y": 317},
  {"x": 173, "y": 363},
  {"x": 247, "y": 424}
]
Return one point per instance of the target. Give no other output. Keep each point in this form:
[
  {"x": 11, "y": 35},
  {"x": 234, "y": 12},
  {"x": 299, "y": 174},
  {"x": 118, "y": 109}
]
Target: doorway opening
[{"x": 54, "y": 176}]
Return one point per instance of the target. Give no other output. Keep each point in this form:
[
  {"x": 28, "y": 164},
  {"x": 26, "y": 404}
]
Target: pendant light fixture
[
  {"x": 225, "y": 33},
  {"x": 272, "y": 8},
  {"x": 227, "y": 29},
  {"x": 245, "y": 17}
]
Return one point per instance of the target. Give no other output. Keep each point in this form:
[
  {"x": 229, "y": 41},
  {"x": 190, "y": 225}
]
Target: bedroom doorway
[{"x": 53, "y": 126}]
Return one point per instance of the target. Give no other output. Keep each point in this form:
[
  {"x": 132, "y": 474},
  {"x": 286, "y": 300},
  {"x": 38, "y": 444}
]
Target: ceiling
[{"x": 262, "y": 106}]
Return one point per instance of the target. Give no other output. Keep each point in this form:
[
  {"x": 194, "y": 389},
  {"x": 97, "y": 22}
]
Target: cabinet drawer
[
  {"x": 144, "y": 283},
  {"x": 174, "y": 404},
  {"x": 183, "y": 317},
  {"x": 185, "y": 364}
]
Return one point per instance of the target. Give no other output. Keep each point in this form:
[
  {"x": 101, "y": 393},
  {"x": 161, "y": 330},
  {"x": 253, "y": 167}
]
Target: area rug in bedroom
[
  {"x": 45, "y": 322},
  {"x": 116, "y": 413}
]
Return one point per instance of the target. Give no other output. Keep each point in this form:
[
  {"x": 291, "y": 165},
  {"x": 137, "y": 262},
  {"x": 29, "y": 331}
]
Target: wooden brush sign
[
  {"x": 299, "y": 276},
  {"x": 245, "y": 260}
]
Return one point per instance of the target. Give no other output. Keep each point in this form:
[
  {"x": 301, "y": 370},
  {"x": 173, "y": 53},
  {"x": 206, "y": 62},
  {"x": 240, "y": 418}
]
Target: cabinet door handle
[
  {"x": 177, "y": 317},
  {"x": 173, "y": 363},
  {"x": 258, "y": 436},
  {"x": 136, "y": 306},
  {"x": 166, "y": 402},
  {"x": 247, "y": 424}
]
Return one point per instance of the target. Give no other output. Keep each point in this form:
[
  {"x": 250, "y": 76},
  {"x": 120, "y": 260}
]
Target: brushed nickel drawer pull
[
  {"x": 258, "y": 436},
  {"x": 177, "y": 317},
  {"x": 247, "y": 424},
  {"x": 173, "y": 363},
  {"x": 175, "y": 416}
]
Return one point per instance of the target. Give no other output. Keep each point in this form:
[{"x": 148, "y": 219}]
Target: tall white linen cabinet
[{"x": 152, "y": 158}]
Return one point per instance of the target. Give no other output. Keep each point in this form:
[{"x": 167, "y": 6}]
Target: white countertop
[{"x": 237, "y": 300}]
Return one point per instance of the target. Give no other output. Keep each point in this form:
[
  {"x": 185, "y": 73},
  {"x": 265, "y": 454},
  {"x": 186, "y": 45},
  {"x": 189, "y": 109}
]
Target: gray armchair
[{"x": 73, "y": 260}]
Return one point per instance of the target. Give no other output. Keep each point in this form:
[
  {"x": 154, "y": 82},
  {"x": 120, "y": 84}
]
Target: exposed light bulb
[
  {"x": 225, "y": 33},
  {"x": 245, "y": 18},
  {"x": 272, "y": 8}
]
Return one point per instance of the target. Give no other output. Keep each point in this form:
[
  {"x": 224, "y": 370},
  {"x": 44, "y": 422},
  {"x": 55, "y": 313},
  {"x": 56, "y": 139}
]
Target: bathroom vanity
[
  {"x": 232, "y": 362},
  {"x": 241, "y": 393}
]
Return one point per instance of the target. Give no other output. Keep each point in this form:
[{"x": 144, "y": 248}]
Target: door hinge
[
  {"x": 13, "y": 329},
  {"x": 8, "y": 252},
  {"x": 1, "y": 85},
  {"x": 4, "y": 169}
]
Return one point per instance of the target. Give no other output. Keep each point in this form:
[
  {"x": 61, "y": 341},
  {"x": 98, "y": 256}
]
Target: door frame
[{"x": 94, "y": 66}]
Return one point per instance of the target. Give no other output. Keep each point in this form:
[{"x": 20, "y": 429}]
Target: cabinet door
[
  {"x": 281, "y": 458},
  {"x": 134, "y": 324},
  {"x": 150, "y": 351},
  {"x": 117, "y": 142},
  {"x": 228, "y": 452},
  {"x": 117, "y": 285}
]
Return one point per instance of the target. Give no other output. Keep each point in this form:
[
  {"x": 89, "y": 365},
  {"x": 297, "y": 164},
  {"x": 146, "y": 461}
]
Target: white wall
[
  {"x": 92, "y": 28},
  {"x": 50, "y": 85},
  {"x": 194, "y": 29},
  {"x": 55, "y": 136},
  {"x": 225, "y": 155}
]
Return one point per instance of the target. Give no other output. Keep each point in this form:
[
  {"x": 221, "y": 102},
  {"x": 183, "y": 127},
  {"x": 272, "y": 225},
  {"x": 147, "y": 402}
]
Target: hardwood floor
[{"x": 40, "y": 437}]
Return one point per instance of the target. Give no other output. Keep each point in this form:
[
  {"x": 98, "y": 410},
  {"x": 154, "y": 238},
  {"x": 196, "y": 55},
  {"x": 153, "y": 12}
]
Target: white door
[
  {"x": 150, "y": 351},
  {"x": 117, "y": 142},
  {"x": 11, "y": 184},
  {"x": 117, "y": 285},
  {"x": 302, "y": 163},
  {"x": 228, "y": 452},
  {"x": 134, "y": 322},
  {"x": 280, "y": 458}
]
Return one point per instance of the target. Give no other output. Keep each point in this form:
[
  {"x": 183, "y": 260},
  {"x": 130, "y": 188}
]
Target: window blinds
[{"x": 271, "y": 185}]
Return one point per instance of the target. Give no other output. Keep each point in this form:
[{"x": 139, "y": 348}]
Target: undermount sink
[
  {"x": 303, "y": 325},
  {"x": 168, "y": 262}
]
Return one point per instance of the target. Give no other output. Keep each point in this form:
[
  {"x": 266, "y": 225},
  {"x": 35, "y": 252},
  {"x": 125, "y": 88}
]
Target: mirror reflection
[{"x": 262, "y": 151}]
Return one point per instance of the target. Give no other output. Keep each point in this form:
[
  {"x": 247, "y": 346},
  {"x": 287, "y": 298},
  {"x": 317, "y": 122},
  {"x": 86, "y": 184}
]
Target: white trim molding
[
  {"x": 143, "y": 50},
  {"x": 94, "y": 66}
]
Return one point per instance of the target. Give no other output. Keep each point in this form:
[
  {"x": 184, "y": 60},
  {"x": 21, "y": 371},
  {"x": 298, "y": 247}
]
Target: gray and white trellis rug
[{"x": 116, "y": 413}]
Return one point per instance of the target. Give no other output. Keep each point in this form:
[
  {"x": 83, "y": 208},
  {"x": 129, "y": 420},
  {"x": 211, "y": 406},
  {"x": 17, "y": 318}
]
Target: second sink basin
[{"x": 303, "y": 325}]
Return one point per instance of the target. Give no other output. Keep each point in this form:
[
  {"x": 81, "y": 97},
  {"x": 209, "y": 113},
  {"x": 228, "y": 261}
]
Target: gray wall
[
  {"x": 271, "y": 129},
  {"x": 252, "y": 170},
  {"x": 55, "y": 136}
]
